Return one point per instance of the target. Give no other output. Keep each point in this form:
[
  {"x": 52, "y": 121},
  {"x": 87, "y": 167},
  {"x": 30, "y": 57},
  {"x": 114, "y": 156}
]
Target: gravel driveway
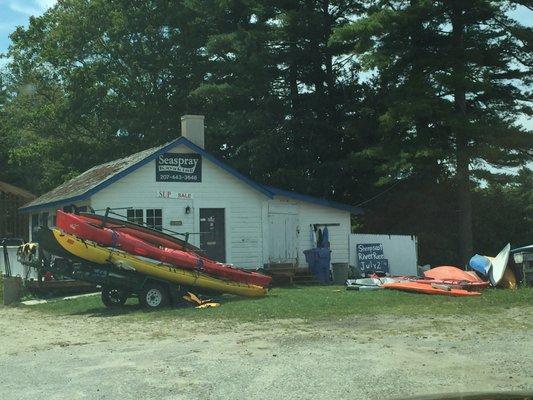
[{"x": 94, "y": 357}]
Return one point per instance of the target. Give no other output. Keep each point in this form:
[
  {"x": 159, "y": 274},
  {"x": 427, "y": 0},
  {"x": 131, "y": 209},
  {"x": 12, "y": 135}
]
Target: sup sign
[
  {"x": 370, "y": 258},
  {"x": 176, "y": 167}
]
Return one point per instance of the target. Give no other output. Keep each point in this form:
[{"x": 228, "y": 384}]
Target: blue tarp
[{"x": 325, "y": 238}]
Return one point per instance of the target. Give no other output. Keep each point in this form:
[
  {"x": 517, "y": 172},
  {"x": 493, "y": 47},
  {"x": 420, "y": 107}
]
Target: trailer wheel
[
  {"x": 113, "y": 297},
  {"x": 153, "y": 296}
]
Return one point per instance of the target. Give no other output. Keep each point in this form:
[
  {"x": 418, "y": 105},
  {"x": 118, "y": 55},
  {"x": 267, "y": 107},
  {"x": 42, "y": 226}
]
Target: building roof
[
  {"x": 315, "y": 200},
  {"x": 8, "y": 188},
  {"x": 97, "y": 178}
]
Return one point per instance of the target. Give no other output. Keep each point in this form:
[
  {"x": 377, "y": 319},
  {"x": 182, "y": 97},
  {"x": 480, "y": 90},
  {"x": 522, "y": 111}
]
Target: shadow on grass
[
  {"x": 108, "y": 312},
  {"x": 311, "y": 303},
  {"x": 128, "y": 309}
]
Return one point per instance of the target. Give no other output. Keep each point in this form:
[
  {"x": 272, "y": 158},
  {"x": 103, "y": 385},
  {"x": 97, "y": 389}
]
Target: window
[
  {"x": 154, "y": 218},
  {"x": 73, "y": 208},
  {"x": 135, "y": 216},
  {"x": 44, "y": 219},
  {"x": 34, "y": 221}
]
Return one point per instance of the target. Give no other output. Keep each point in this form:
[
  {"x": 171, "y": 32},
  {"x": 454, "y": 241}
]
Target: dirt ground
[{"x": 94, "y": 357}]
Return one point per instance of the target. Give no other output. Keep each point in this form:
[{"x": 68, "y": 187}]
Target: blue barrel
[{"x": 319, "y": 260}]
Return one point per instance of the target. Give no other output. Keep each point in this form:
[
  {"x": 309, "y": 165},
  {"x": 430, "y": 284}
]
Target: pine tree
[{"x": 456, "y": 75}]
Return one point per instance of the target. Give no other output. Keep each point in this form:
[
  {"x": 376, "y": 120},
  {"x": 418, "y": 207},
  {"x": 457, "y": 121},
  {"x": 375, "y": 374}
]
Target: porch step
[{"x": 303, "y": 277}]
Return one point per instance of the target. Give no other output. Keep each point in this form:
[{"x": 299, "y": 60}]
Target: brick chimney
[{"x": 192, "y": 128}]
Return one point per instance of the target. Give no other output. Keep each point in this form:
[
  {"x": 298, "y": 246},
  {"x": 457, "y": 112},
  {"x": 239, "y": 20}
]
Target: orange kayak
[
  {"x": 428, "y": 289},
  {"x": 447, "y": 272}
]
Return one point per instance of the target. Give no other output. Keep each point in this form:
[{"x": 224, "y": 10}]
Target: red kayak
[
  {"x": 105, "y": 236},
  {"x": 428, "y": 289},
  {"x": 472, "y": 284},
  {"x": 459, "y": 284},
  {"x": 152, "y": 236}
]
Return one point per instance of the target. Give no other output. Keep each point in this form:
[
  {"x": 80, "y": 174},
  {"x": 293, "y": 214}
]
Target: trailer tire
[
  {"x": 113, "y": 297},
  {"x": 153, "y": 296}
]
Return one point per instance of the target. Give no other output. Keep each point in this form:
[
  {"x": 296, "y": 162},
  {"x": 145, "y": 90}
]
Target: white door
[{"x": 283, "y": 238}]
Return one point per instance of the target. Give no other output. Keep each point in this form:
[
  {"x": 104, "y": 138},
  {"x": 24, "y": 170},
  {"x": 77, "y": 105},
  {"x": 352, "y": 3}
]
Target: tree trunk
[
  {"x": 293, "y": 78},
  {"x": 461, "y": 139},
  {"x": 328, "y": 56},
  {"x": 428, "y": 167}
]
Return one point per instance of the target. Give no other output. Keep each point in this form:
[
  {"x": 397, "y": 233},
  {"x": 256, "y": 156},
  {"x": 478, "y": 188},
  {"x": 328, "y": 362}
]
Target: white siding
[
  {"x": 309, "y": 214},
  {"x": 218, "y": 189},
  {"x": 338, "y": 235},
  {"x": 400, "y": 250},
  {"x": 51, "y": 214},
  {"x": 17, "y": 269},
  {"x": 246, "y": 212}
]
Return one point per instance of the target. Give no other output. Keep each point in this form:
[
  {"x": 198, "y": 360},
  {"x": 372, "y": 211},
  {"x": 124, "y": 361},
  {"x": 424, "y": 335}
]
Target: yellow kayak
[{"x": 101, "y": 255}]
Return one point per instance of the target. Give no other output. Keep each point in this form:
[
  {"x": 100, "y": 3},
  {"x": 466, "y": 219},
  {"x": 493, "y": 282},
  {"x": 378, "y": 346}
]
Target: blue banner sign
[
  {"x": 370, "y": 258},
  {"x": 178, "y": 167}
]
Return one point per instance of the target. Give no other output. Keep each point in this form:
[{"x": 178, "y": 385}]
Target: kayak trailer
[{"x": 118, "y": 284}]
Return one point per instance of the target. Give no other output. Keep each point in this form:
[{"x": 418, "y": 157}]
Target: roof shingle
[{"x": 89, "y": 179}]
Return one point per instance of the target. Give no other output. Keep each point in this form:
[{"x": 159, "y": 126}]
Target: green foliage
[
  {"x": 506, "y": 211},
  {"x": 282, "y": 86},
  {"x": 454, "y": 78},
  {"x": 312, "y": 303}
]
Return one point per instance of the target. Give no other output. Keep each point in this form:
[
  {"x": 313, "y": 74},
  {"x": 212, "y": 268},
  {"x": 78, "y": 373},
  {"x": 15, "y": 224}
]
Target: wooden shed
[
  {"x": 181, "y": 187},
  {"x": 12, "y": 222}
]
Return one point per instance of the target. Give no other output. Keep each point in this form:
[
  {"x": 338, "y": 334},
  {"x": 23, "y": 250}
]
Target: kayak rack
[{"x": 109, "y": 210}]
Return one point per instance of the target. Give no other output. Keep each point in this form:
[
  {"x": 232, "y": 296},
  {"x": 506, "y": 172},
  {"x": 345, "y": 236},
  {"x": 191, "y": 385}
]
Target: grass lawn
[{"x": 311, "y": 303}]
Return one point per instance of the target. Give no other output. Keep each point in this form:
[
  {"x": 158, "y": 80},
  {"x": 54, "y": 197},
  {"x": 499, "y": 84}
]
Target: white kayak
[{"x": 499, "y": 263}]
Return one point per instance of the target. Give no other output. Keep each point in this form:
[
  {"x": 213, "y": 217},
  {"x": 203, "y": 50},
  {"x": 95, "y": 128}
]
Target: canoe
[
  {"x": 428, "y": 289},
  {"x": 72, "y": 224},
  {"x": 499, "y": 263},
  {"x": 94, "y": 253}
]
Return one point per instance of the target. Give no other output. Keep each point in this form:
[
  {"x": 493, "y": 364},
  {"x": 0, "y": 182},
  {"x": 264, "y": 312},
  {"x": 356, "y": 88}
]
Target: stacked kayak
[
  {"x": 152, "y": 236},
  {"x": 454, "y": 277},
  {"x": 446, "y": 280},
  {"x": 89, "y": 251},
  {"x": 132, "y": 243},
  {"x": 367, "y": 284},
  {"x": 495, "y": 268},
  {"x": 429, "y": 288}
]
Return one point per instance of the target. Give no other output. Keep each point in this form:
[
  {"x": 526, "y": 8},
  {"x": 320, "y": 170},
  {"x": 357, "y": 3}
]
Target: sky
[
  {"x": 17, "y": 12},
  {"x": 14, "y": 13}
]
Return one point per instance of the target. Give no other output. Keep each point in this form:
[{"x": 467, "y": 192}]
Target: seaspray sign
[
  {"x": 176, "y": 167},
  {"x": 370, "y": 257}
]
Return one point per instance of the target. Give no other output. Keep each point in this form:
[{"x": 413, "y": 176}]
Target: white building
[{"x": 179, "y": 186}]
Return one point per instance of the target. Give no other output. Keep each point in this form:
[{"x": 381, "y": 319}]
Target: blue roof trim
[
  {"x": 315, "y": 200},
  {"x": 153, "y": 156},
  {"x": 106, "y": 182},
  {"x": 68, "y": 200},
  {"x": 261, "y": 188},
  {"x": 268, "y": 191}
]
